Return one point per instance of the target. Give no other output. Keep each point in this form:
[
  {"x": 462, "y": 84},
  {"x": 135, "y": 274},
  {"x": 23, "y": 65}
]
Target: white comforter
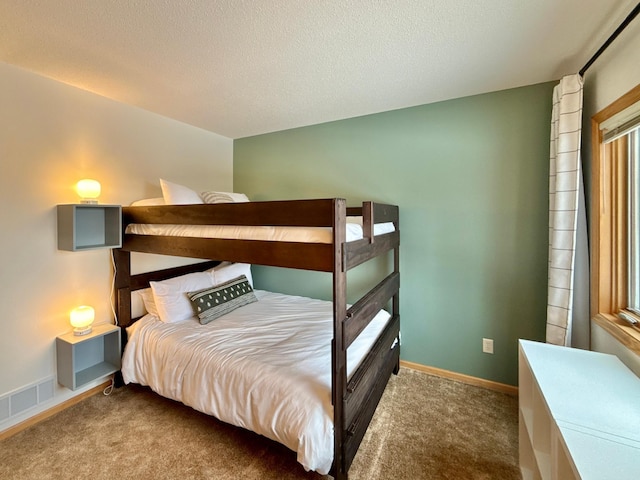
[
  {"x": 277, "y": 234},
  {"x": 265, "y": 367}
]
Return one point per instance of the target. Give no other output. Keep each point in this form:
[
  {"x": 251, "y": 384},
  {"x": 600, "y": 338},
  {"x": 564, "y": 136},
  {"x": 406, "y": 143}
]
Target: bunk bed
[{"x": 354, "y": 394}]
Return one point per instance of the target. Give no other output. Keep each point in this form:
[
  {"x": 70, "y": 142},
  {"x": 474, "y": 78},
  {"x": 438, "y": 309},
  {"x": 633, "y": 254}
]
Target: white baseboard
[{"x": 460, "y": 377}]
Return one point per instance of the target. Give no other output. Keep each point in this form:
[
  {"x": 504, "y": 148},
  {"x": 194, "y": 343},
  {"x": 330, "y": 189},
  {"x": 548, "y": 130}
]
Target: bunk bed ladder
[
  {"x": 355, "y": 401},
  {"x": 338, "y": 348}
]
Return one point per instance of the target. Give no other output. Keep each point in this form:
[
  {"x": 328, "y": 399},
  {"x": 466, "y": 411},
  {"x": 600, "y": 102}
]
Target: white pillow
[
  {"x": 171, "y": 298},
  {"x": 175, "y": 194},
  {"x": 239, "y": 197},
  {"x": 142, "y": 302},
  {"x": 148, "y": 202},
  {"x": 223, "y": 197},
  {"x": 137, "y": 305},
  {"x": 148, "y": 301},
  {"x": 228, "y": 271}
]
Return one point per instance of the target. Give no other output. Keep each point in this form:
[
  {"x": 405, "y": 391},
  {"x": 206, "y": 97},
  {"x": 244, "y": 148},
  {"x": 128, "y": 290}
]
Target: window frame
[
  {"x": 609, "y": 229},
  {"x": 634, "y": 222}
]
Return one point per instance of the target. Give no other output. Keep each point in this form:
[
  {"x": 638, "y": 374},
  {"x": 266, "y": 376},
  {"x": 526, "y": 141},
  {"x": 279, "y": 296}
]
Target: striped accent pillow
[
  {"x": 212, "y": 303},
  {"x": 216, "y": 197},
  {"x": 223, "y": 197}
]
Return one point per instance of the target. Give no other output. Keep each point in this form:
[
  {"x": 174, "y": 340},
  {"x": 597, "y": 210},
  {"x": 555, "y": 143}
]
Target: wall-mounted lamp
[
  {"x": 88, "y": 190},
  {"x": 81, "y": 319}
]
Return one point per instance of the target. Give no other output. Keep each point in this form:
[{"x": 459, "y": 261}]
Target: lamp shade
[
  {"x": 81, "y": 319},
  {"x": 88, "y": 190}
]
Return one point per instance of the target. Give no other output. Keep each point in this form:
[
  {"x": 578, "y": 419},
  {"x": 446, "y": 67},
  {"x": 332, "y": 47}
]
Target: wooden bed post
[
  {"x": 396, "y": 298},
  {"x": 122, "y": 300},
  {"x": 122, "y": 261},
  {"x": 338, "y": 349}
]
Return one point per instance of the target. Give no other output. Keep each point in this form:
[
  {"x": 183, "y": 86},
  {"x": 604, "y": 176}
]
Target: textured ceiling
[{"x": 246, "y": 67}]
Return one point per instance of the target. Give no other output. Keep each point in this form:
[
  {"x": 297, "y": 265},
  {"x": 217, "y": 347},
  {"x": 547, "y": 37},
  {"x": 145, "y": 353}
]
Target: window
[
  {"x": 615, "y": 234},
  {"x": 634, "y": 221},
  {"x": 625, "y": 151}
]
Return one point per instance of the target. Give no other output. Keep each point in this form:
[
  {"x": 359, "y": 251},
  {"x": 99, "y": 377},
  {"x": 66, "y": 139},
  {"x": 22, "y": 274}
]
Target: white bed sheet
[
  {"x": 279, "y": 234},
  {"x": 265, "y": 367}
]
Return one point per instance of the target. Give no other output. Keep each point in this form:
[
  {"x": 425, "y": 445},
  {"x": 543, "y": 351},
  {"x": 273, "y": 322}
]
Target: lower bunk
[{"x": 266, "y": 367}]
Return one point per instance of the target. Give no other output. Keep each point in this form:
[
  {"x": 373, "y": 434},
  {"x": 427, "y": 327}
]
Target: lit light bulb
[
  {"x": 88, "y": 190},
  {"x": 81, "y": 319}
]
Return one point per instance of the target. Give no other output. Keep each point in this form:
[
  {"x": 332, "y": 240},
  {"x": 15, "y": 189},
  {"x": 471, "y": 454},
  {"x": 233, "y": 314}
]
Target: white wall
[
  {"x": 52, "y": 135},
  {"x": 615, "y": 73}
]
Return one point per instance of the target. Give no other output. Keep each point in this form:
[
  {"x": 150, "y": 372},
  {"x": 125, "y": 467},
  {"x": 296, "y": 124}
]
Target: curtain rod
[{"x": 613, "y": 36}]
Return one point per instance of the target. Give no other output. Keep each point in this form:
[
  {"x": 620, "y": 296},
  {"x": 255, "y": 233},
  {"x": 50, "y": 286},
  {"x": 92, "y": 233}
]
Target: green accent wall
[{"x": 470, "y": 176}]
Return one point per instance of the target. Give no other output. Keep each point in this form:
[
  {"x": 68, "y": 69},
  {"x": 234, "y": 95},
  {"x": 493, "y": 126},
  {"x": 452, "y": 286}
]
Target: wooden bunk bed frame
[{"x": 354, "y": 399}]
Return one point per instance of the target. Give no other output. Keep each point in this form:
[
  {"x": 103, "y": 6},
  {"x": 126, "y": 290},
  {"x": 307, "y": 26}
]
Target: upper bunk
[{"x": 340, "y": 237}]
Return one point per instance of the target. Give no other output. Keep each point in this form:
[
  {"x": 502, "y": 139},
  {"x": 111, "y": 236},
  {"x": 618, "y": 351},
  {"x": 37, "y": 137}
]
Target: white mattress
[
  {"x": 280, "y": 234},
  {"x": 265, "y": 367}
]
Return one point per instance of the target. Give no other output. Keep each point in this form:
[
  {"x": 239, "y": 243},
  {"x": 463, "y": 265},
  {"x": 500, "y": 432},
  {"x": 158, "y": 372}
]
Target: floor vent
[{"x": 25, "y": 398}]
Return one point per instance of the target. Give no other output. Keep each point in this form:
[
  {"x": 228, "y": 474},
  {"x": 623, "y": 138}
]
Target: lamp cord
[{"x": 109, "y": 388}]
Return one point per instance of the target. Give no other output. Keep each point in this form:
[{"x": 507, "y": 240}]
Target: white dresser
[{"x": 579, "y": 415}]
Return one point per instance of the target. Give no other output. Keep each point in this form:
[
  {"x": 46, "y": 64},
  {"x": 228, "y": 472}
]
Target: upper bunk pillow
[
  {"x": 223, "y": 197},
  {"x": 171, "y": 298},
  {"x": 228, "y": 271},
  {"x": 175, "y": 194},
  {"x": 148, "y": 202}
]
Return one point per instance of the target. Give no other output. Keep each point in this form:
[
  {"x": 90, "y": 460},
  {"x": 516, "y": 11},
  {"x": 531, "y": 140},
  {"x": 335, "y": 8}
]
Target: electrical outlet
[{"x": 487, "y": 345}]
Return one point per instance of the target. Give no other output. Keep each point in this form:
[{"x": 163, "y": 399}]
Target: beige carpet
[{"x": 425, "y": 428}]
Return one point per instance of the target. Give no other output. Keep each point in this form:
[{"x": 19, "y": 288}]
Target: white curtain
[{"x": 564, "y": 189}]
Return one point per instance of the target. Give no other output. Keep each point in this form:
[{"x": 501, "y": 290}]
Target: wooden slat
[
  {"x": 365, "y": 309},
  {"x": 385, "y": 213},
  {"x": 355, "y": 432},
  {"x": 381, "y": 212},
  {"x": 359, "y": 251},
  {"x": 297, "y": 213},
  {"x": 307, "y": 256},
  {"x": 363, "y": 379},
  {"x": 352, "y": 440}
]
